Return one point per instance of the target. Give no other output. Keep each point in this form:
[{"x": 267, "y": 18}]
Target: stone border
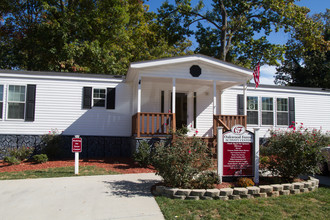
[{"x": 263, "y": 191}]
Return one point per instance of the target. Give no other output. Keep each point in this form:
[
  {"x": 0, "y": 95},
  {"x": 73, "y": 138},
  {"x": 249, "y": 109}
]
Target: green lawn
[
  {"x": 55, "y": 172},
  {"x": 312, "y": 205}
]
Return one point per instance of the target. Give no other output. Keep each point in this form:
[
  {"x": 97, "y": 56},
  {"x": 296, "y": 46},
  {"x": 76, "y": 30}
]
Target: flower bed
[{"x": 264, "y": 191}]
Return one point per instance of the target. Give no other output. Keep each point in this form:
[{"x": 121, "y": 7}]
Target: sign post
[
  {"x": 220, "y": 153},
  {"x": 76, "y": 149},
  {"x": 256, "y": 156}
]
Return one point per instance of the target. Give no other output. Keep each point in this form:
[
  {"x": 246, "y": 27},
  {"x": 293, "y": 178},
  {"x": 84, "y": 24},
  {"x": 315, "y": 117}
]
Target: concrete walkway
[{"x": 92, "y": 197}]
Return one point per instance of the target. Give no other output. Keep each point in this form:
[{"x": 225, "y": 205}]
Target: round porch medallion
[{"x": 195, "y": 71}]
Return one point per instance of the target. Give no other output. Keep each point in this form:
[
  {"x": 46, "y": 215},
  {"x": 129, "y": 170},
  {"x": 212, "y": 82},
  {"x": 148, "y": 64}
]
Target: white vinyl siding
[
  {"x": 59, "y": 106},
  {"x": 16, "y": 101}
]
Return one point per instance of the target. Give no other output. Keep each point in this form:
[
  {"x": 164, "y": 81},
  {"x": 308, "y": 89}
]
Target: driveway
[{"x": 92, "y": 197}]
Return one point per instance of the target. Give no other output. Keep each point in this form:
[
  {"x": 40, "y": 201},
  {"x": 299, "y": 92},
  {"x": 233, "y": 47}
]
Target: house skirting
[{"x": 92, "y": 146}]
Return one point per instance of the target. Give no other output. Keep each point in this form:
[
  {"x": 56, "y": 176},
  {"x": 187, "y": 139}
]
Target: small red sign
[
  {"x": 76, "y": 145},
  {"x": 237, "y": 159}
]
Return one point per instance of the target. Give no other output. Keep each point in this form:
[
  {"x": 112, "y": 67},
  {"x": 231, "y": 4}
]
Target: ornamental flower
[{"x": 189, "y": 151}]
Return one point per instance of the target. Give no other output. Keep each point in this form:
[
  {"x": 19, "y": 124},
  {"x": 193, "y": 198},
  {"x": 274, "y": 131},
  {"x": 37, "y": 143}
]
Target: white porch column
[
  {"x": 139, "y": 95},
  {"x": 244, "y": 94},
  {"x": 214, "y": 97},
  {"x": 221, "y": 103},
  {"x": 173, "y": 95}
]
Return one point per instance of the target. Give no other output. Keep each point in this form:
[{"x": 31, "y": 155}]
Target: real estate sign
[{"x": 238, "y": 152}]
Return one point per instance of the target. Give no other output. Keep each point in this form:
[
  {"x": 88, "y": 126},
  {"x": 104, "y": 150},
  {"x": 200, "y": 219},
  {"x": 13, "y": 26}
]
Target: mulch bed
[{"x": 120, "y": 165}]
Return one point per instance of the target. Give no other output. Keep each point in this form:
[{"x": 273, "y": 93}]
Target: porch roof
[{"x": 179, "y": 67}]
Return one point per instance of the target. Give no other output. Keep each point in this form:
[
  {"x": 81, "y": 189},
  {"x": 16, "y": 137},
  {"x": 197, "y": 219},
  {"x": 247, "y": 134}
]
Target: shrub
[
  {"x": 40, "y": 158},
  {"x": 244, "y": 182},
  {"x": 295, "y": 151},
  {"x": 181, "y": 161},
  {"x": 52, "y": 144},
  {"x": 205, "y": 180},
  {"x": 11, "y": 160},
  {"x": 143, "y": 154},
  {"x": 21, "y": 153}
]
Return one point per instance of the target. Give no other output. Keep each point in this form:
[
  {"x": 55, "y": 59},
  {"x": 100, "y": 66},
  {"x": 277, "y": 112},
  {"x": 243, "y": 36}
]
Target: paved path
[{"x": 92, "y": 197}]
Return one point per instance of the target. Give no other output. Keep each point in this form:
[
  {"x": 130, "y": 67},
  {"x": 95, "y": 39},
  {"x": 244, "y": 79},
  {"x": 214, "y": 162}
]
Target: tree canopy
[
  {"x": 95, "y": 36},
  {"x": 229, "y": 29},
  {"x": 304, "y": 65}
]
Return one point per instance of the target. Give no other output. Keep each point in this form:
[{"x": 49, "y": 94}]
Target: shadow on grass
[{"x": 130, "y": 189}]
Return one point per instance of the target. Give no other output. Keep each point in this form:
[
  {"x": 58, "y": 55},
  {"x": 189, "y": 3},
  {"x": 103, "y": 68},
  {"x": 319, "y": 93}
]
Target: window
[
  {"x": 252, "y": 110},
  {"x": 99, "y": 97},
  {"x": 16, "y": 102},
  {"x": 267, "y": 111},
  {"x": 282, "y": 111},
  {"x": 1, "y": 100}
]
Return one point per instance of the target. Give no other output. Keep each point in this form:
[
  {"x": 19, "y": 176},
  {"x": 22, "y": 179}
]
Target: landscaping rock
[
  {"x": 273, "y": 194},
  {"x": 285, "y": 192},
  {"x": 223, "y": 198},
  {"x": 295, "y": 191},
  {"x": 261, "y": 195},
  {"x": 248, "y": 196},
  {"x": 160, "y": 189},
  {"x": 226, "y": 192},
  {"x": 303, "y": 190},
  {"x": 180, "y": 197},
  {"x": 298, "y": 185},
  {"x": 277, "y": 187},
  {"x": 234, "y": 197},
  {"x": 307, "y": 184},
  {"x": 287, "y": 186},
  {"x": 240, "y": 191},
  {"x": 192, "y": 197},
  {"x": 184, "y": 192},
  {"x": 265, "y": 189},
  {"x": 206, "y": 198},
  {"x": 170, "y": 191},
  {"x": 197, "y": 192},
  {"x": 212, "y": 192},
  {"x": 253, "y": 190}
]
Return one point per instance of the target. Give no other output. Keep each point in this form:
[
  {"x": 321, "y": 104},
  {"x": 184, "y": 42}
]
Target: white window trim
[
  {"x": 258, "y": 110},
  {"x": 287, "y": 98},
  {"x": 7, "y": 102},
  {"x": 105, "y": 98}
]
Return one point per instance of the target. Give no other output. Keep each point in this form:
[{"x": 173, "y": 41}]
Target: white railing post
[
  {"x": 220, "y": 153},
  {"x": 256, "y": 156}
]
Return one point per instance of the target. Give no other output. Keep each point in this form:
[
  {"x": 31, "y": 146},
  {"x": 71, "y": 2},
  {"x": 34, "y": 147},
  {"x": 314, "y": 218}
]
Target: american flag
[{"x": 256, "y": 75}]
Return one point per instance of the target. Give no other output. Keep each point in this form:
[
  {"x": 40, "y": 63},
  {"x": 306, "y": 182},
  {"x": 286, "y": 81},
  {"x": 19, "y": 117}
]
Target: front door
[{"x": 181, "y": 110}]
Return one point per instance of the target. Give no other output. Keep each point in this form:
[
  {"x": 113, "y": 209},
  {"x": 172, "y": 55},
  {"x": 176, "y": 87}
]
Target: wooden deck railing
[
  {"x": 153, "y": 124},
  {"x": 227, "y": 121}
]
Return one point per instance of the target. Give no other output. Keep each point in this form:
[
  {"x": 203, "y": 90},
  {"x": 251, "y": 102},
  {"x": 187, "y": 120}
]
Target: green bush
[
  {"x": 295, "y": 151},
  {"x": 40, "y": 158},
  {"x": 11, "y": 160},
  {"x": 180, "y": 162},
  {"x": 52, "y": 144},
  {"x": 21, "y": 153},
  {"x": 143, "y": 154},
  {"x": 205, "y": 180}
]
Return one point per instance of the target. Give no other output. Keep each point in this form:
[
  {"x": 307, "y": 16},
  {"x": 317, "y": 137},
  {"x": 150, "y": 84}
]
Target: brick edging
[{"x": 274, "y": 190}]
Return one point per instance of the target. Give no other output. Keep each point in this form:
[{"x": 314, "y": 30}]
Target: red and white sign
[
  {"x": 76, "y": 145},
  {"x": 237, "y": 152}
]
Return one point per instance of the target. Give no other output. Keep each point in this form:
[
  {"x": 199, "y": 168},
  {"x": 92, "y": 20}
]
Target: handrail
[
  {"x": 152, "y": 123},
  {"x": 227, "y": 121}
]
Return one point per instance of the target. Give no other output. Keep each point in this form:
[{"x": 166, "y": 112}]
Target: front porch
[{"x": 153, "y": 124}]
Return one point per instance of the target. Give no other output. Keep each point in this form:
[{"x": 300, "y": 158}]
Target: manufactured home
[{"x": 153, "y": 99}]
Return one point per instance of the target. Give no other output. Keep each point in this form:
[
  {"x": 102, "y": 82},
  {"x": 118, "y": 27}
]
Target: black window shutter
[
  {"x": 111, "y": 98},
  {"x": 292, "y": 117},
  {"x": 30, "y": 102},
  {"x": 162, "y": 98},
  {"x": 240, "y": 104},
  {"x": 87, "y": 98},
  {"x": 1, "y": 110}
]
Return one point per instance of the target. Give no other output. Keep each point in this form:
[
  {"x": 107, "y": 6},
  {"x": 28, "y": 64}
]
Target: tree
[
  {"x": 305, "y": 65},
  {"x": 228, "y": 30},
  {"x": 91, "y": 36}
]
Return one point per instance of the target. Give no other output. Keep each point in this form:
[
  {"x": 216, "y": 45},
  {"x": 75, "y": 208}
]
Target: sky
[{"x": 267, "y": 73}]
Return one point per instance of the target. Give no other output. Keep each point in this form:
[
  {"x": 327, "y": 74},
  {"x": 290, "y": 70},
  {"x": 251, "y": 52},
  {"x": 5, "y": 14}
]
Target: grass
[
  {"x": 312, "y": 205},
  {"x": 55, "y": 172}
]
